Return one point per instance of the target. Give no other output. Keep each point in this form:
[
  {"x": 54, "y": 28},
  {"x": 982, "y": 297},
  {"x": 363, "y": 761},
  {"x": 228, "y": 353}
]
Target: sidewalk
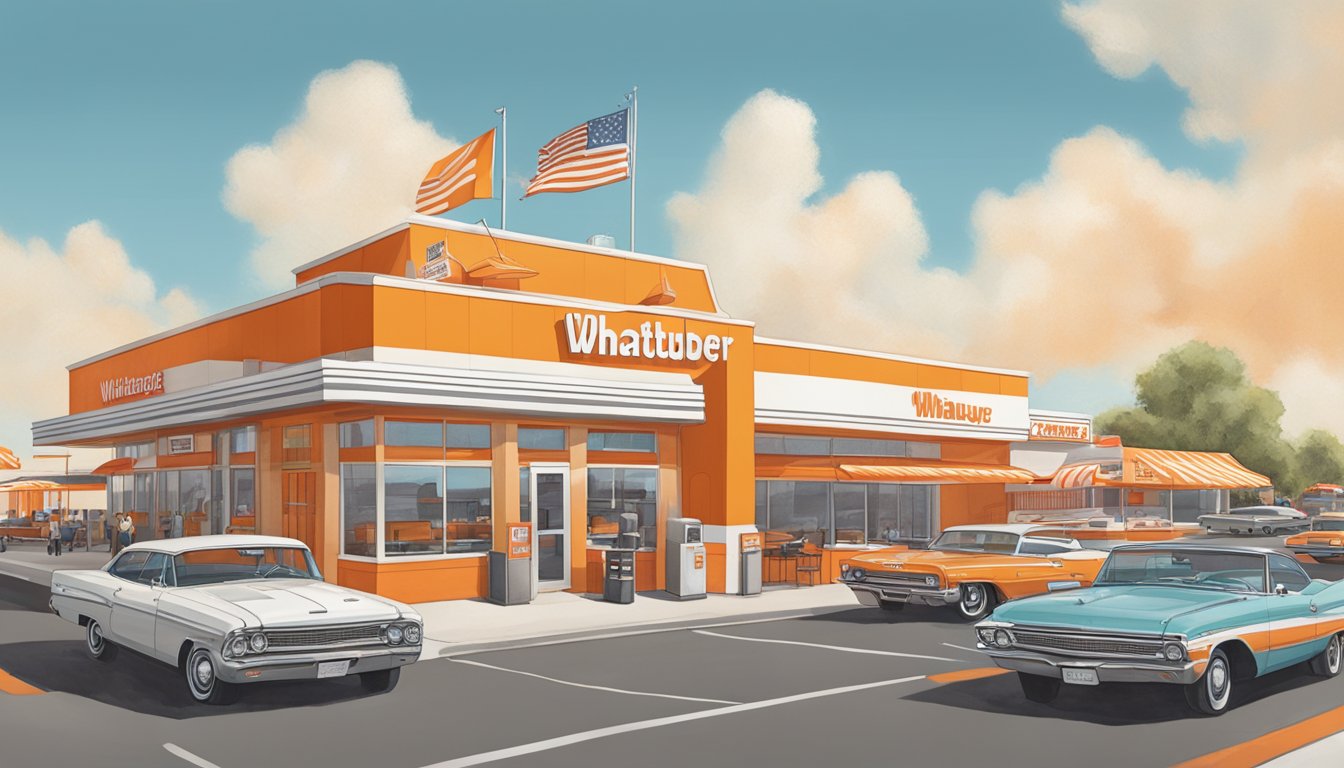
[
  {"x": 28, "y": 560},
  {"x": 461, "y": 626}
]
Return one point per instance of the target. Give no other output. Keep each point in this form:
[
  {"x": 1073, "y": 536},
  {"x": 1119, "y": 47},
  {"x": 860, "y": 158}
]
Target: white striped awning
[
  {"x": 1076, "y": 476},
  {"x": 1185, "y": 470}
]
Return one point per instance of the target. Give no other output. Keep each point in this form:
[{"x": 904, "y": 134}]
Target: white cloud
[
  {"x": 347, "y": 167},
  {"x": 59, "y": 306}
]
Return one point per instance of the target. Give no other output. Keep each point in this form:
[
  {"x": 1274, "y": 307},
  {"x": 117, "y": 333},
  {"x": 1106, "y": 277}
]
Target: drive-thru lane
[{"x": 860, "y": 686}]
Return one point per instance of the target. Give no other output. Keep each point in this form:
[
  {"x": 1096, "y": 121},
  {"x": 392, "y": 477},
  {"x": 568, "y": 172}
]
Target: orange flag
[{"x": 467, "y": 173}]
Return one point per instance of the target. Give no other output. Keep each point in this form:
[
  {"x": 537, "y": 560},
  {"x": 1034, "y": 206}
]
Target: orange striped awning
[
  {"x": 29, "y": 485},
  {"x": 8, "y": 460},
  {"x": 112, "y": 467},
  {"x": 1183, "y": 470},
  {"x": 941, "y": 472}
]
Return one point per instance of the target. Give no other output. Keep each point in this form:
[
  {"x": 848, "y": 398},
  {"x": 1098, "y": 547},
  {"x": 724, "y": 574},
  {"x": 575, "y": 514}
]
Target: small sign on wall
[
  {"x": 181, "y": 444},
  {"x": 520, "y": 540}
]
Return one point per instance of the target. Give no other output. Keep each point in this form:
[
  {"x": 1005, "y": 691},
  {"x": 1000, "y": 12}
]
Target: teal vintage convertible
[{"x": 1202, "y": 617}]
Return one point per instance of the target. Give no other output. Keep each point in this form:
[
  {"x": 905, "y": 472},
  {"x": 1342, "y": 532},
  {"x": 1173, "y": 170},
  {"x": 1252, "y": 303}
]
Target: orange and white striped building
[{"x": 419, "y": 390}]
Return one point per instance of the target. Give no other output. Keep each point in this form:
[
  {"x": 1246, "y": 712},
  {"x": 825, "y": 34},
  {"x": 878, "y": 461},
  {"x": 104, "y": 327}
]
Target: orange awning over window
[
  {"x": 1181, "y": 470},
  {"x": 112, "y": 467},
  {"x": 940, "y": 472},
  {"x": 30, "y": 485}
]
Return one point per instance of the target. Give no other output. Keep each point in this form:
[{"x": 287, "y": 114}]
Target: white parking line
[
  {"x": 189, "y": 757},
  {"x": 963, "y": 648},
  {"x": 829, "y": 647},
  {"x": 593, "y": 687},
  {"x": 643, "y": 725}
]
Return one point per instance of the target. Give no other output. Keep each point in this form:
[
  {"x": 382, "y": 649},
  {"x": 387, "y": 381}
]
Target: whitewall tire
[
  {"x": 977, "y": 601},
  {"x": 96, "y": 643},
  {"x": 202, "y": 681}
]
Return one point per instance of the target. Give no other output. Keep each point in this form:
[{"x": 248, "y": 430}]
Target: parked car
[
  {"x": 973, "y": 567},
  {"x": 1198, "y": 616},
  {"x": 232, "y": 609},
  {"x": 1270, "y": 521},
  {"x": 1324, "y": 541}
]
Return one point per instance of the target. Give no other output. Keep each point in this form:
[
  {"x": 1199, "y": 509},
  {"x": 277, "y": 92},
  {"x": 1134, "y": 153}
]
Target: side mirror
[
  {"x": 156, "y": 582},
  {"x": 1280, "y": 589}
]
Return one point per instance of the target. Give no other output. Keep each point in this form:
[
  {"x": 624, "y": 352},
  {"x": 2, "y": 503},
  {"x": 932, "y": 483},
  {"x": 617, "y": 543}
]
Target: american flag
[
  {"x": 467, "y": 173},
  {"x": 590, "y": 155}
]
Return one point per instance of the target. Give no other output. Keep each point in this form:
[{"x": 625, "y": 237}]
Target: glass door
[{"x": 550, "y": 515}]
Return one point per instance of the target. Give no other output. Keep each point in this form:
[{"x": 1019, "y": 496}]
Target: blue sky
[{"x": 128, "y": 112}]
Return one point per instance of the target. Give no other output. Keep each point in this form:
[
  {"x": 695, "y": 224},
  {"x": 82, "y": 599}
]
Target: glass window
[
  {"x": 1188, "y": 506},
  {"x": 762, "y": 505},
  {"x": 216, "y": 566},
  {"x": 854, "y": 446},
  {"x": 800, "y": 511},
  {"x": 468, "y": 436},
  {"x": 359, "y": 509},
  {"x": 849, "y": 502},
  {"x": 525, "y": 494},
  {"x": 243, "y": 499},
  {"x": 144, "y": 492},
  {"x": 357, "y": 434},
  {"x": 296, "y": 443},
  {"x": 420, "y": 434},
  {"x": 153, "y": 569},
  {"x": 1284, "y": 570},
  {"x": 614, "y": 490},
  {"x": 129, "y": 565},
  {"x": 135, "y": 450},
  {"x": 622, "y": 441},
  {"x": 925, "y": 450},
  {"x": 412, "y": 509},
  {"x": 533, "y": 439},
  {"x": 470, "y": 524},
  {"x": 1037, "y": 547},
  {"x": 168, "y": 504},
  {"x": 243, "y": 440}
]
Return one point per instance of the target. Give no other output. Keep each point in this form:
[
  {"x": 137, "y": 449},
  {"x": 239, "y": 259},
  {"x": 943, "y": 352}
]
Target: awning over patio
[
  {"x": 941, "y": 472},
  {"x": 113, "y": 466},
  {"x": 1147, "y": 467}
]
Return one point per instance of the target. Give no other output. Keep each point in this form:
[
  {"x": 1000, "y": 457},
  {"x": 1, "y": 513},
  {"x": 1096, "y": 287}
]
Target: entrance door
[
  {"x": 299, "y": 518},
  {"x": 550, "y": 515}
]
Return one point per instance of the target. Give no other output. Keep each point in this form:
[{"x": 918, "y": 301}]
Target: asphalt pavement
[{"x": 859, "y": 687}]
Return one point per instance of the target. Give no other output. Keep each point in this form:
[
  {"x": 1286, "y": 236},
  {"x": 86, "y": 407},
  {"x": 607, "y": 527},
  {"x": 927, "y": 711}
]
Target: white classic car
[{"x": 237, "y": 609}]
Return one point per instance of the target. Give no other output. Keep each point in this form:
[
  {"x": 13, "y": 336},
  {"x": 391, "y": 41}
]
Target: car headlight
[
  {"x": 1337, "y": 542},
  {"x": 1002, "y": 639},
  {"x": 857, "y": 574},
  {"x": 393, "y": 634},
  {"x": 259, "y": 643},
  {"x": 932, "y": 581},
  {"x": 1173, "y": 652},
  {"x": 238, "y": 646},
  {"x": 986, "y": 636},
  {"x": 413, "y": 634}
]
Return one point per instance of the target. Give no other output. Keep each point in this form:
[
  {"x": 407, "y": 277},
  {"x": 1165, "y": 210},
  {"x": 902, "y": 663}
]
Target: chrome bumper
[
  {"x": 872, "y": 594},
  {"x": 1108, "y": 670},
  {"x": 303, "y": 666}
]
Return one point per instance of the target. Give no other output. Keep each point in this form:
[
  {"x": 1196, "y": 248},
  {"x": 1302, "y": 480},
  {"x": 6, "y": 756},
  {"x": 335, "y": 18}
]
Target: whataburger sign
[
  {"x": 588, "y": 334},
  {"x": 128, "y": 387}
]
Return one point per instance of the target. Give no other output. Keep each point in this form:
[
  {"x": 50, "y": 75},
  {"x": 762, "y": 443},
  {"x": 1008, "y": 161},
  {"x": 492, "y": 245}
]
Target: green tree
[
  {"x": 1320, "y": 459},
  {"x": 1197, "y": 397}
]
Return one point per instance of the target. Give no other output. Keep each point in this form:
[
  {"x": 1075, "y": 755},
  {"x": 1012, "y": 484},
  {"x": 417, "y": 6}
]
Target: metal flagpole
[
  {"x": 503, "y": 168},
  {"x": 633, "y": 138}
]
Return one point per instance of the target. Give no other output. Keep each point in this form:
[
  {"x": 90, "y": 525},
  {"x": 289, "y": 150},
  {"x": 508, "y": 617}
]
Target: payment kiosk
[
  {"x": 618, "y": 563},
  {"x": 685, "y": 558},
  {"x": 749, "y": 578}
]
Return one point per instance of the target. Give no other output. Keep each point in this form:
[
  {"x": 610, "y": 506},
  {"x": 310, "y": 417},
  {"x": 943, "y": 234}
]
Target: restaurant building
[{"x": 418, "y": 391}]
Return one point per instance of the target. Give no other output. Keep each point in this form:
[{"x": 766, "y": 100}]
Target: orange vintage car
[
  {"x": 973, "y": 567},
  {"x": 1324, "y": 541}
]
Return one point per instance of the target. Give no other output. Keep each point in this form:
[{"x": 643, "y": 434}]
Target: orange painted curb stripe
[
  {"x": 967, "y": 674},
  {"x": 1273, "y": 744},
  {"x": 15, "y": 686}
]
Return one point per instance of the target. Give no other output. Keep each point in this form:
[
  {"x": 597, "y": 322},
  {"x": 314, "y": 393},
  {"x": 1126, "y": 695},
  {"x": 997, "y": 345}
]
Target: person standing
[
  {"x": 125, "y": 532},
  {"x": 54, "y": 535}
]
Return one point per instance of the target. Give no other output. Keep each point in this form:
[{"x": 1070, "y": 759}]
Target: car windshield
[
  {"x": 976, "y": 541},
  {"x": 1231, "y": 571},
  {"x": 1328, "y": 525},
  {"x": 214, "y": 566}
]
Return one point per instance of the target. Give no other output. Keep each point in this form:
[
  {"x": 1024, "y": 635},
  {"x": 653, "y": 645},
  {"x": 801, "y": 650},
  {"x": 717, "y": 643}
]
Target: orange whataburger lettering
[
  {"x": 931, "y": 406},
  {"x": 131, "y": 386}
]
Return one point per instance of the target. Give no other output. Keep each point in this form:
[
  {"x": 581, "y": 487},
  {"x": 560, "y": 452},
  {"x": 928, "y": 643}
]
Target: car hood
[
  {"x": 1139, "y": 609},
  {"x": 290, "y": 602}
]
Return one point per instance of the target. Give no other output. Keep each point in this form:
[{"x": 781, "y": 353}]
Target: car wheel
[
  {"x": 204, "y": 684},
  {"x": 98, "y": 646},
  {"x": 1326, "y": 663},
  {"x": 381, "y": 681},
  {"x": 977, "y": 600},
  {"x": 1038, "y": 688},
  {"x": 1212, "y": 692}
]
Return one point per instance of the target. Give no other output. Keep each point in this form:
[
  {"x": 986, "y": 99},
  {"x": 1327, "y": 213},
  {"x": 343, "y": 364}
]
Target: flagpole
[
  {"x": 633, "y": 96},
  {"x": 503, "y": 168}
]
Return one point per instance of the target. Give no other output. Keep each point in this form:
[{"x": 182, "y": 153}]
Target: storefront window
[
  {"x": 800, "y": 510},
  {"x": 242, "y": 500},
  {"x": 470, "y": 528},
  {"x": 642, "y": 442},
  {"x": 135, "y": 450},
  {"x": 357, "y": 434},
  {"x": 193, "y": 493},
  {"x": 806, "y": 445},
  {"x": 525, "y": 494},
  {"x": 846, "y": 513},
  {"x": 243, "y": 440},
  {"x": 901, "y": 513},
  {"x": 359, "y": 509},
  {"x": 1187, "y": 506},
  {"x": 472, "y": 436},
  {"x": 412, "y": 509},
  {"x": 296, "y": 443},
  {"x": 532, "y": 439},
  {"x": 614, "y": 490},
  {"x": 414, "y": 434},
  {"x": 849, "y": 509}
]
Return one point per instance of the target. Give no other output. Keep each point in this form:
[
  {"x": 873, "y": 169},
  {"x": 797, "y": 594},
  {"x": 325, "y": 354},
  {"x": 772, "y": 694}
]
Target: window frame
[
  {"x": 657, "y": 490},
  {"x": 380, "y": 512}
]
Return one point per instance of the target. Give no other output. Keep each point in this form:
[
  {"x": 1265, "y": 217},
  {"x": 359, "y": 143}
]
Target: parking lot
[{"x": 860, "y": 686}]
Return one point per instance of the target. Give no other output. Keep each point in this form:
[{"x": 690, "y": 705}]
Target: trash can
[
  {"x": 749, "y": 577},
  {"x": 618, "y": 575},
  {"x": 511, "y": 570}
]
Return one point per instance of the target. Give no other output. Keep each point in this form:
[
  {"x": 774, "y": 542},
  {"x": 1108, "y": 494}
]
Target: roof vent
[{"x": 602, "y": 241}]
